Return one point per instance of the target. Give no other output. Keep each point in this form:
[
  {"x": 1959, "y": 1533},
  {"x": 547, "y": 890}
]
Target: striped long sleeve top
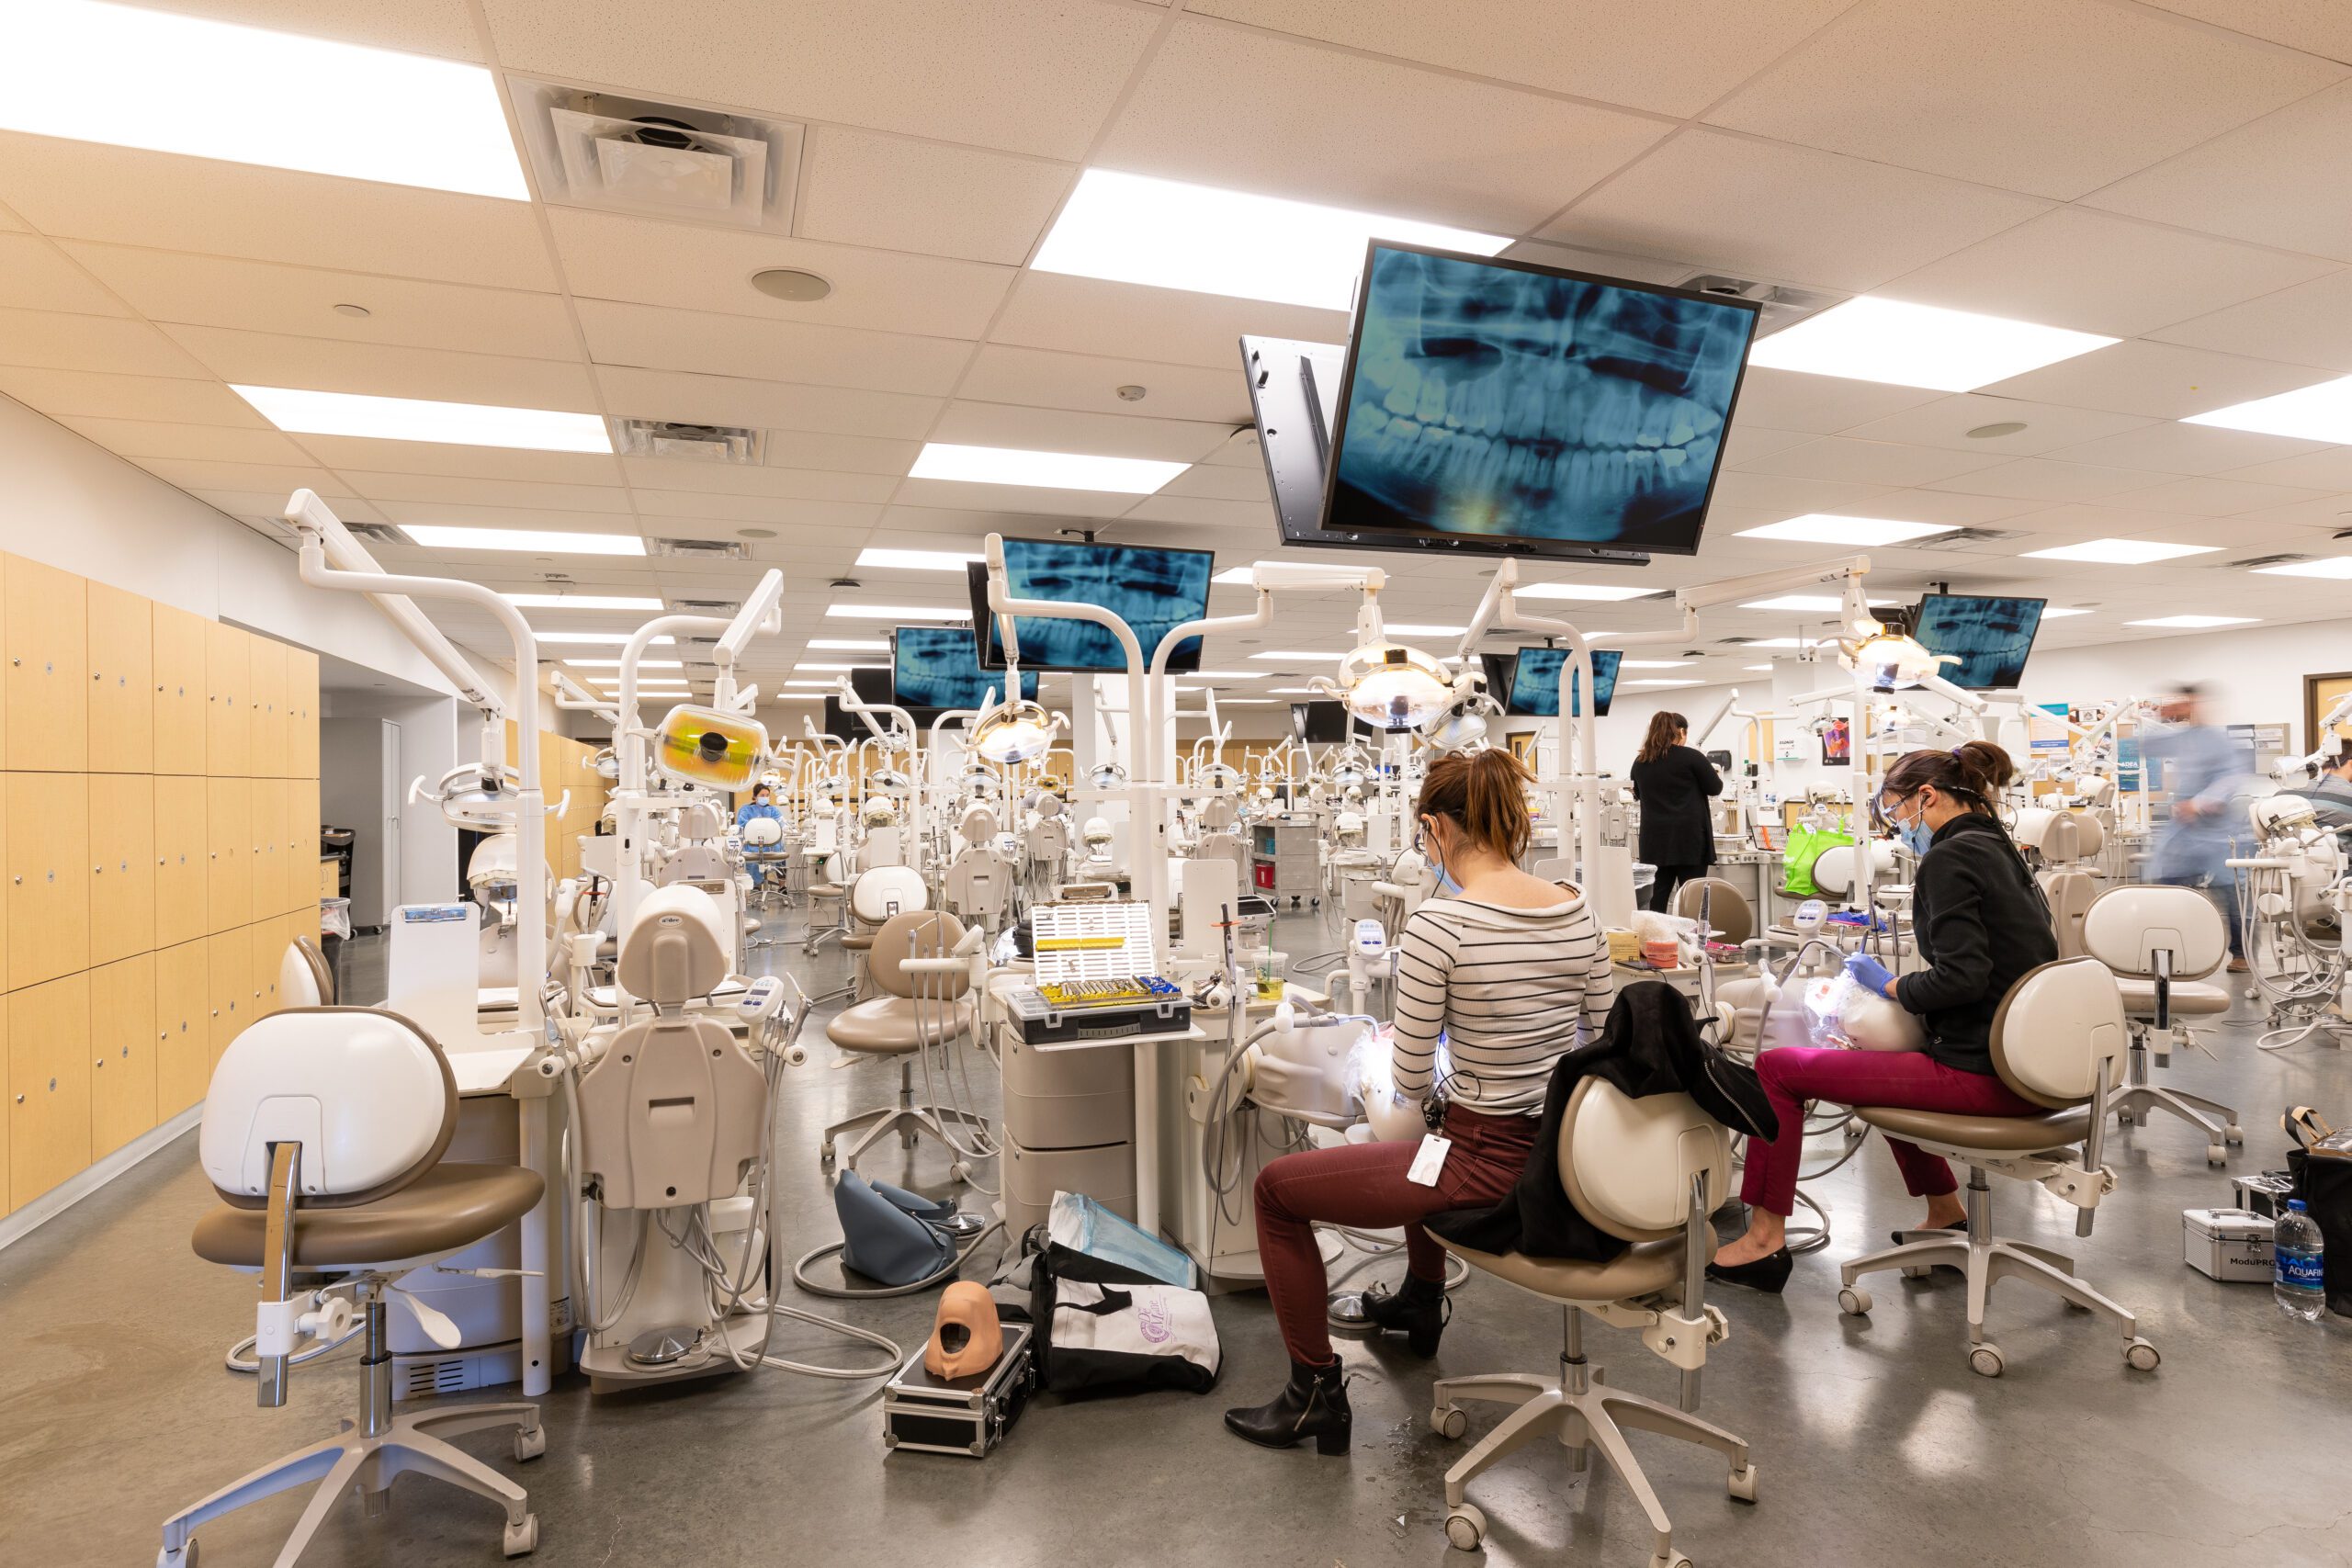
[{"x": 1511, "y": 991}]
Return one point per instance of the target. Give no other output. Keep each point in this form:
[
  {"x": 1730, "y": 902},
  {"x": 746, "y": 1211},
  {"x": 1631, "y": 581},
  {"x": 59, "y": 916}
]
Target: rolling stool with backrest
[
  {"x": 922, "y": 1006},
  {"x": 871, "y": 899},
  {"x": 2162, "y": 945},
  {"x": 1648, "y": 1171},
  {"x": 2069, "y": 843},
  {"x": 1727, "y": 912},
  {"x": 305, "y": 978},
  {"x": 324, "y": 1131},
  {"x": 2054, "y": 1042}
]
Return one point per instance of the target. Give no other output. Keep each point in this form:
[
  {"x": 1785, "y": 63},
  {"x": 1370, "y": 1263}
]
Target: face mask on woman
[
  {"x": 1915, "y": 834},
  {"x": 1426, "y": 842}
]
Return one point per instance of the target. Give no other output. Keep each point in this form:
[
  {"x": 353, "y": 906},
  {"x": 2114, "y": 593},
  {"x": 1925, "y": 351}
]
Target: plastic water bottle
[{"x": 2299, "y": 1283}]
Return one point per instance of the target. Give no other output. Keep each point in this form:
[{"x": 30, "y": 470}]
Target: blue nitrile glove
[{"x": 1870, "y": 973}]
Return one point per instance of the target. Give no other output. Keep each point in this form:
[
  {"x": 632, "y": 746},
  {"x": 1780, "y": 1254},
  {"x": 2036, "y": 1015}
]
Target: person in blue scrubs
[
  {"x": 759, "y": 804},
  {"x": 2207, "y": 774}
]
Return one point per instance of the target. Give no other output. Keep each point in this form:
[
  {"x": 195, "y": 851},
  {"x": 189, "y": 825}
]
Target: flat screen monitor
[
  {"x": 1992, "y": 636},
  {"x": 1535, "y": 682},
  {"x": 1498, "y": 668},
  {"x": 1518, "y": 406},
  {"x": 1154, "y": 591},
  {"x": 935, "y": 669},
  {"x": 1319, "y": 724}
]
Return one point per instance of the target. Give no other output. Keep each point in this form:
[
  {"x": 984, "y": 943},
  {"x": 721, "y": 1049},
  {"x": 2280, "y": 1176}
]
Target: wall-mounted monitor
[
  {"x": 936, "y": 669},
  {"x": 1992, "y": 636},
  {"x": 1153, "y": 590},
  {"x": 1498, "y": 668},
  {"x": 1535, "y": 682},
  {"x": 1319, "y": 723}
]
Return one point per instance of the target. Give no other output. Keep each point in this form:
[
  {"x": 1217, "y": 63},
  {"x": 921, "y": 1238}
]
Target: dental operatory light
[
  {"x": 2321, "y": 413},
  {"x": 478, "y": 796},
  {"x": 704, "y": 746},
  {"x": 522, "y": 541},
  {"x": 1827, "y": 528},
  {"x": 1110, "y": 775},
  {"x": 1392, "y": 687},
  {"x": 166, "y": 83},
  {"x": 2119, "y": 552},
  {"x": 1889, "y": 660},
  {"x": 299, "y": 411},
  {"x": 1046, "y": 471},
  {"x": 1168, "y": 234},
  {"x": 1904, "y": 345},
  {"x": 1012, "y": 731}
]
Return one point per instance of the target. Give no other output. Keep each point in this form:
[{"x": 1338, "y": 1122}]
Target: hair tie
[{"x": 1956, "y": 753}]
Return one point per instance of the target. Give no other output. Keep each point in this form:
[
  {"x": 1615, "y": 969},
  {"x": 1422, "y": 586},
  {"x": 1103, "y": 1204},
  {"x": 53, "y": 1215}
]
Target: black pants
[{"x": 1670, "y": 877}]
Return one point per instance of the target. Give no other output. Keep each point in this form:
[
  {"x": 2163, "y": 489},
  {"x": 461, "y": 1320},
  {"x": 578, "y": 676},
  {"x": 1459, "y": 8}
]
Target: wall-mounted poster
[
  {"x": 1838, "y": 745},
  {"x": 2322, "y": 693}
]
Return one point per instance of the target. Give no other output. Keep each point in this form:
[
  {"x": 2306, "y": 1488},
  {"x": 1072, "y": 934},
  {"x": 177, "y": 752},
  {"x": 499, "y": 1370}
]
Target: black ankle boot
[
  {"x": 1418, "y": 1312},
  {"x": 1314, "y": 1404}
]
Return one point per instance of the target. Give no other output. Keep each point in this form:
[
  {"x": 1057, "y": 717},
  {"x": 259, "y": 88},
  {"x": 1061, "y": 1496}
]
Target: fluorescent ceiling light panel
[
  {"x": 2323, "y": 412},
  {"x": 300, "y": 412},
  {"x": 1657, "y": 682},
  {"x": 532, "y": 541},
  {"x": 2336, "y": 567},
  {"x": 1231, "y": 675},
  {"x": 2194, "y": 623},
  {"x": 2057, "y": 613},
  {"x": 894, "y": 613},
  {"x": 1044, "y": 471},
  {"x": 1411, "y": 628},
  {"x": 819, "y": 668},
  {"x": 206, "y": 89},
  {"x": 851, "y": 643},
  {"x": 1652, "y": 664},
  {"x": 1827, "y": 529},
  {"x": 1292, "y": 692},
  {"x": 614, "y": 663},
  {"x": 1823, "y": 603},
  {"x": 919, "y": 560},
  {"x": 1600, "y": 593},
  {"x": 1243, "y": 702},
  {"x": 1333, "y": 656},
  {"x": 1757, "y": 668},
  {"x": 2120, "y": 552},
  {"x": 599, "y": 639},
  {"x": 824, "y": 685},
  {"x": 1135, "y": 229},
  {"x": 1871, "y": 339},
  {"x": 1786, "y": 642},
  {"x": 579, "y": 601},
  {"x": 1237, "y": 576}
]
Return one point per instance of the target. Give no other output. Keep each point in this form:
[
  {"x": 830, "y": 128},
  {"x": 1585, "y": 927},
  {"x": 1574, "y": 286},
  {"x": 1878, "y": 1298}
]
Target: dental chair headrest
[{"x": 676, "y": 949}]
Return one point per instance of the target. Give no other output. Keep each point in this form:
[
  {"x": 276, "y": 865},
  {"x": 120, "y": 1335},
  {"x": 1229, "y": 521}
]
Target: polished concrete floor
[{"x": 1875, "y": 1443}]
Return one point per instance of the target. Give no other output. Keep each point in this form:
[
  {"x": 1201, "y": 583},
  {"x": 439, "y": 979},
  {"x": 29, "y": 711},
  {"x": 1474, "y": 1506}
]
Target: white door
[{"x": 388, "y": 758}]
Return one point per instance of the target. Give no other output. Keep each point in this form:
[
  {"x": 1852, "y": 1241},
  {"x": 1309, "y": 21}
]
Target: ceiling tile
[
  {"x": 267, "y": 359},
  {"x": 268, "y": 477},
  {"x": 1749, "y": 442},
  {"x": 1824, "y": 405},
  {"x": 1088, "y": 315},
  {"x": 1218, "y": 484},
  {"x": 669, "y": 487},
  {"x": 2164, "y": 446},
  {"x": 34, "y": 275},
  {"x": 898, "y": 194},
  {"x": 2254, "y": 182},
  {"x": 844, "y": 453},
  {"x": 683, "y": 512},
  {"x": 1870, "y": 462},
  {"x": 1594, "y": 49},
  {"x": 764, "y": 405},
  {"x": 203, "y": 443},
  {"x": 1476, "y": 154},
  {"x": 113, "y": 344},
  {"x": 1023, "y": 75},
  {"x": 1785, "y": 497},
  {"x": 1002, "y": 374},
  {"x": 1947, "y": 421},
  {"x": 271, "y": 503},
  {"x": 2040, "y": 478},
  {"x": 1640, "y": 269},
  {"x": 2307, "y": 325},
  {"x": 1786, "y": 214},
  {"x": 81, "y": 191},
  {"x": 650, "y": 338},
  {"x": 2318, "y": 27},
  {"x": 1949, "y": 506},
  {"x": 369, "y": 455},
  {"x": 1061, "y": 430},
  {"x": 444, "y": 27},
  {"x": 1191, "y": 509},
  {"x": 2155, "y": 379},
  {"x": 444, "y": 490},
  {"x": 957, "y": 495},
  {"x": 472, "y": 513},
  {"x": 2209, "y": 496},
  {"x": 2328, "y": 468},
  {"x": 58, "y": 393},
  {"x": 2057, "y": 98}
]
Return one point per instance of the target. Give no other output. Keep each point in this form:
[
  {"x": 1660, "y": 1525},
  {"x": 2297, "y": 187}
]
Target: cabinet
[
  {"x": 303, "y": 713},
  {"x": 49, "y": 1086},
  {"x": 228, "y": 851},
  {"x": 266, "y": 876},
  {"x": 181, "y": 863},
  {"x": 267, "y": 942},
  {"x": 48, "y": 679},
  {"x": 180, "y": 690},
  {"x": 48, "y": 874},
  {"x": 183, "y": 1027},
  {"x": 268, "y": 714},
  {"x": 228, "y": 701},
  {"x": 228, "y": 987},
  {"x": 122, "y": 865},
  {"x": 301, "y": 844},
  {"x": 123, "y": 1054},
  {"x": 122, "y": 677}
]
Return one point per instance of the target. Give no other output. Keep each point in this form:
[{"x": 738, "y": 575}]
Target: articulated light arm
[
  {"x": 762, "y": 612},
  {"x": 343, "y": 550}
]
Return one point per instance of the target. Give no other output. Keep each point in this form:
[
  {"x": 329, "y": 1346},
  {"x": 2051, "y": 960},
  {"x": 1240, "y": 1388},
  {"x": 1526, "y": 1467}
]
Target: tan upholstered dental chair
[
  {"x": 323, "y": 1133},
  {"x": 1726, "y": 906},
  {"x": 2163, "y": 944},
  {"x": 2069, "y": 843},
  {"x": 917, "y": 965},
  {"x": 2055, "y": 1042},
  {"x": 1648, "y": 1171}
]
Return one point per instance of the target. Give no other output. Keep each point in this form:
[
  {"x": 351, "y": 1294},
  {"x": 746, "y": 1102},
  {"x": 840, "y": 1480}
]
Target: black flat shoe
[
  {"x": 1314, "y": 1404},
  {"x": 1769, "y": 1273},
  {"x": 1419, "y": 1312},
  {"x": 1958, "y": 1227}
]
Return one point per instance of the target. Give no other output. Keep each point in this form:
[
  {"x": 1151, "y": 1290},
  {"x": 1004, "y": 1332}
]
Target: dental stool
[
  {"x": 1649, "y": 1171},
  {"x": 2162, "y": 945},
  {"x": 322, "y": 1134},
  {"x": 2055, "y": 1041},
  {"x": 2069, "y": 843},
  {"x": 305, "y": 978},
  {"x": 1727, "y": 909},
  {"x": 922, "y": 1006}
]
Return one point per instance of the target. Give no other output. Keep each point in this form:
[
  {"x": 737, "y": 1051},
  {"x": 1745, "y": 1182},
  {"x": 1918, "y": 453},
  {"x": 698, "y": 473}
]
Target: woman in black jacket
[
  {"x": 1981, "y": 924},
  {"x": 1673, "y": 783}
]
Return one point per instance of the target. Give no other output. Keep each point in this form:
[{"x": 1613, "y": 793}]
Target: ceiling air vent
[
  {"x": 1783, "y": 306},
  {"x": 703, "y": 608},
  {"x": 1963, "y": 538},
  {"x": 593, "y": 149},
  {"x": 694, "y": 443},
  {"x": 379, "y": 534},
  {"x": 698, "y": 549},
  {"x": 2252, "y": 563}
]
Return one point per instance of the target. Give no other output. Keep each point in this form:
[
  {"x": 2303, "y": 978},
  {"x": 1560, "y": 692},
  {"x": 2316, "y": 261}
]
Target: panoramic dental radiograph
[{"x": 1488, "y": 399}]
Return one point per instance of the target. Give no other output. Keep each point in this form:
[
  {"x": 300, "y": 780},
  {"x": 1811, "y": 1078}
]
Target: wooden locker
[
  {"x": 180, "y": 689},
  {"x": 228, "y": 701},
  {"x": 122, "y": 681},
  {"x": 306, "y": 923},
  {"x": 268, "y": 713},
  {"x": 48, "y": 685},
  {"x": 228, "y": 853},
  {"x": 122, "y": 866},
  {"x": 266, "y": 880},
  {"x": 183, "y": 1027},
  {"x": 268, "y": 940},
  {"x": 303, "y": 713},
  {"x": 182, "y": 864},
  {"x": 301, "y": 844},
  {"x": 228, "y": 985},
  {"x": 123, "y": 1054},
  {"x": 6, "y": 1204},
  {"x": 48, "y": 875},
  {"x": 49, "y": 1086}
]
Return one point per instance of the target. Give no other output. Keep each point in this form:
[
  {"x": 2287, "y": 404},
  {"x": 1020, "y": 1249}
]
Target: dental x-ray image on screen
[
  {"x": 1495, "y": 399},
  {"x": 1535, "y": 682},
  {"x": 1992, "y": 636},
  {"x": 1154, "y": 591},
  {"x": 935, "y": 669}
]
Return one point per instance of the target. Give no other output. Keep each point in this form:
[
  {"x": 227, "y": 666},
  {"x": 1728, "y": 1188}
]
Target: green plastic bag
[{"x": 1807, "y": 845}]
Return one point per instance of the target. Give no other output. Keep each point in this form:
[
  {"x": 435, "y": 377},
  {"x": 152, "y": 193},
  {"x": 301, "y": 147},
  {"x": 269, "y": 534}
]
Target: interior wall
[
  {"x": 428, "y": 746},
  {"x": 2254, "y": 675}
]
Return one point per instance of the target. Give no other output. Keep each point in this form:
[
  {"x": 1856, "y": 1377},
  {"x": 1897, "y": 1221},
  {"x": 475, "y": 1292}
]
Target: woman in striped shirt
[{"x": 1495, "y": 981}]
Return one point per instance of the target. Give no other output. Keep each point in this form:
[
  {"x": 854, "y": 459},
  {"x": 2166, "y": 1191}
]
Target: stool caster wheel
[
  {"x": 522, "y": 1539},
  {"x": 2123, "y": 1118},
  {"x": 2141, "y": 1356},
  {"x": 2233, "y": 1134},
  {"x": 1854, "y": 1303},
  {"x": 2217, "y": 1154},
  {"x": 825, "y": 1157},
  {"x": 1916, "y": 1272},
  {"x": 1743, "y": 1484},
  {"x": 1984, "y": 1360},
  {"x": 1670, "y": 1559},
  {"x": 184, "y": 1558},
  {"x": 959, "y": 1171},
  {"x": 1449, "y": 1421},
  {"x": 1465, "y": 1526},
  {"x": 530, "y": 1445}
]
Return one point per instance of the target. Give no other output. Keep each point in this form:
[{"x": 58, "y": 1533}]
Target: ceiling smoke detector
[
  {"x": 694, "y": 443},
  {"x": 605, "y": 149},
  {"x": 1996, "y": 429},
  {"x": 791, "y": 284}
]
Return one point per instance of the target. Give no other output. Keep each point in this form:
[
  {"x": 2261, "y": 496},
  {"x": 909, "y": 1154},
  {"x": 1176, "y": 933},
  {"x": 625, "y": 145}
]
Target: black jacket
[
  {"x": 1982, "y": 923},
  {"x": 1676, "y": 828},
  {"x": 1651, "y": 1045}
]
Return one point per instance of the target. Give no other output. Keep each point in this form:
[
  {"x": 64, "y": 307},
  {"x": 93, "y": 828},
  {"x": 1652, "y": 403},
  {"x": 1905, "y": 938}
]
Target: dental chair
[
  {"x": 2055, "y": 1041},
  {"x": 2068, "y": 843},
  {"x": 1728, "y": 910},
  {"x": 305, "y": 978},
  {"x": 323, "y": 1133},
  {"x": 1649, "y": 1171},
  {"x": 922, "y": 1006},
  {"x": 2163, "y": 944}
]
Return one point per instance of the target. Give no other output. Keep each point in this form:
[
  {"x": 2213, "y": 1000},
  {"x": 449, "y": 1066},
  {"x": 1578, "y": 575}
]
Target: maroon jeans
[
  {"x": 1364, "y": 1185},
  {"x": 1911, "y": 1080}
]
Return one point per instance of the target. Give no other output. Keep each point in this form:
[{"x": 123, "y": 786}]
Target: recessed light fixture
[
  {"x": 828, "y": 686},
  {"x": 1331, "y": 655},
  {"x": 894, "y": 613},
  {"x": 301, "y": 413},
  {"x": 1414, "y": 629},
  {"x": 2194, "y": 623},
  {"x": 597, "y": 639},
  {"x": 792, "y": 696},
  {"x": 1135, "y": 229},
  {"x": 166, "y": 83},
  {"x": 1597, "y": 593},
  {"x": 1827, "y": 529},
  {"x": 580, "y": 602},
  {"x": 2322, "y": 413},
  {"x": 357, "y": 313},
  {"x": 1757, "y": 668},
  {"x": 1757, "y": 642},
  {"x": 1130, "y": 393},
  {"x": 2120, "y": 552},
  {"x": 851, "y": 643},
  {"x": 1904, "y": 345},
  {"x": 1292, "y": 691},
  {"x": 1652, "y": 664},
  {"x": 614, "y": 663},
  {"x": 1822, "y": 603},
  {"x": 791, "y": 284},
  {"x": 1230, "y": 674},
  {"x": 440, "y": 536},
  {"x": 1237, "y": 576},
  {"x": 1045, "y": 471},
  {"x": 918, "y": 561},
  {"x": 821, "y": 668},
  {"x": 2059, "y": 612},
  {"x": 1996, "y": 429},
  {"x": 1658, "y": 683},
  {"x": 2336, "y": 567}
]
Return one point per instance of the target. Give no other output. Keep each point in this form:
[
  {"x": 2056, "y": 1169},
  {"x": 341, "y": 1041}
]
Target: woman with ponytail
[
  {"x": 1981, "y": 923},
  {"x": 1512, "y": 972}
]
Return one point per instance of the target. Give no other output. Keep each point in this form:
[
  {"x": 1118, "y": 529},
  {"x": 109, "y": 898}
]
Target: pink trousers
[{"x": 1912, "y": 1080}]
